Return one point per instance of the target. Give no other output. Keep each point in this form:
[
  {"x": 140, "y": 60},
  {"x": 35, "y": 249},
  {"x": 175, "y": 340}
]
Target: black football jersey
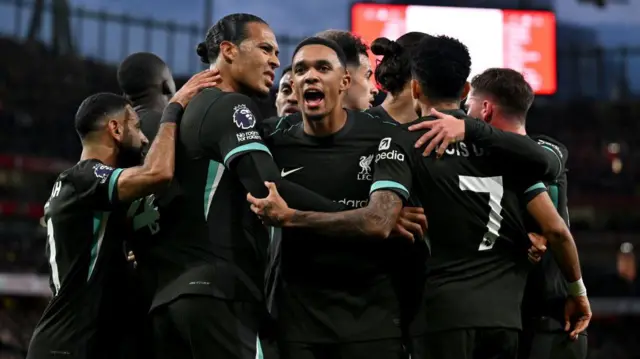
[
  {"x": 210, "y": 243},
  {"x": 546, "y": 287},
  {"x": 86, "y": 227},
  {"x": 335, "y": 289},
  {"x": 474, "y": 201}
]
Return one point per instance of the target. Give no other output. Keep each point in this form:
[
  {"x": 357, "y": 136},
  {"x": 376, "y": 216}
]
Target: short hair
[
  {"x": 138, "y": 72},
  {"x": 314, "y": 40},
  {"x": 441, "y": 65},
  {"x": 351, "y": 45},
  {"x": 286, "y": 69},
  {"x": 96, "y": 107},
  {"x": 394, "y": 70},
  {"x": 232, "y": 28},
  {"x": 508, "y": 87}
]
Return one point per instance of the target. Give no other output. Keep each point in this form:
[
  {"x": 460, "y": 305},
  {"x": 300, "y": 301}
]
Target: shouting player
[
  {"x": 362, "y": 91},
  {"x": 85, "y": 218},
  {"x": 393, "y": 73},
  {"x": 286, "y": 102},
  {"x": 502, "y": 96},
  {"x": 212, "y": 252},
  {"x": 473, "y": 199}
]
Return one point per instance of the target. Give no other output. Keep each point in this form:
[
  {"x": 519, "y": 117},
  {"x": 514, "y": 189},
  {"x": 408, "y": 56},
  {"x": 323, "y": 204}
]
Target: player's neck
[
  {"x": 400, "y": 107},
  {"x": 514, "y": 125},
  {"x": 100, "y": 152},
  {"x": 426, "y": 107},
  {"x": 330, "y": 124}
]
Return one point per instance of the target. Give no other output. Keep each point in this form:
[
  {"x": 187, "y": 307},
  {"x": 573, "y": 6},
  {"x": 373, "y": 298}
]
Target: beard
[{"x": 129, "y": 156}]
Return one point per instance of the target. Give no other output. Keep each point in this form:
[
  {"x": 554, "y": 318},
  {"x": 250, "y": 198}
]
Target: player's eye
[
  {"x": 325, "y": 68},
  {"x": 286, "y": 91},
  {"x": 299, "y": 70}
]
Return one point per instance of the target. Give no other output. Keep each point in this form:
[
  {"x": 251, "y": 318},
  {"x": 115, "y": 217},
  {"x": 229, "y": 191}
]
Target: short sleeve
[
  {"x": 532, "y": 191},
  {"x": 97, "y": 184},
  {"x": 560, "y": 152},
  {"x": 392, "y": 167},
  {"x": 229, "y": 129}
]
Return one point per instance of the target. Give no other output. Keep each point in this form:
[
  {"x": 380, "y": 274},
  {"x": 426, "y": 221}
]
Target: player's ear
[
  {"x": 346, "y": 81},
  {"x": 487, "y": 111},
  {"x": 229, "y": 51},
  {"x": 416, "y": 91},
  {"x": 116, "y": 130},
  {"x": 465, "y": 90}
]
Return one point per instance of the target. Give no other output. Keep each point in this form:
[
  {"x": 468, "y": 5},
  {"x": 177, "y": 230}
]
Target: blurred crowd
[{"x": 39, "y": 94}]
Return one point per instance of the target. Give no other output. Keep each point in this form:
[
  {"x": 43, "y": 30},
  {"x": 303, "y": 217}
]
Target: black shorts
[
  {"x": 545, "y": 338},
  {"x": 195, "y": 327},
  {"x": 375, "y": 349},
  {"x": 472, "y": 343}
]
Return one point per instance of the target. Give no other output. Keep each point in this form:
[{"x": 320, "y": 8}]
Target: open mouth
[
  {"x": 313, "y": 97},
  {"x": 291, "y": 110}
]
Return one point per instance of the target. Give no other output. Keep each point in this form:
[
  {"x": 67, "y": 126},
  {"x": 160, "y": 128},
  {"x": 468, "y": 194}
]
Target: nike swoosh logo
[{"x": 286, "y": 173}]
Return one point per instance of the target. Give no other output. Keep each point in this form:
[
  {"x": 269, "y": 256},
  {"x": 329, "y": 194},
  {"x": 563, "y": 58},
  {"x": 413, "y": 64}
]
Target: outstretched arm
[{"x": 376, "y": 220}]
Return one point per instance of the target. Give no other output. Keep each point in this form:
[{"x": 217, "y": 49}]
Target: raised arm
[{"x": 157, "y": 169}]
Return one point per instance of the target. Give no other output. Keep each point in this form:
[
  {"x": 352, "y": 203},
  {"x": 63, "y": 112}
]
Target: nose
[
  {"x": 311, "y": 77},
  {"x": 292, "y": 100},
  {"x": 274, "y": 62},
  {"x": 374, "y": 90}
]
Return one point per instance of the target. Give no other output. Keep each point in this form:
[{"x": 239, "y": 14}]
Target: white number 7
[{"x": 492, "y": 186}]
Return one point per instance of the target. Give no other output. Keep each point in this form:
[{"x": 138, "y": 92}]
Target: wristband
[
  {"x": 172, "y": 113},
  {"x": 577, "y": 288}
]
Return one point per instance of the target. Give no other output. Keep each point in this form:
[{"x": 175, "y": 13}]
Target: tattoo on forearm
[{"x": 378, "y": 217}]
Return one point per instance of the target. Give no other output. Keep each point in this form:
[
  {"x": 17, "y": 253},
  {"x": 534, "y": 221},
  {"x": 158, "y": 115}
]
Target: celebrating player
[
  {"x": 286, "y": 102},
  {"x": 87, "y": 201},
  {"x": 476, "y": 278},
  {"x": 362, "y": 91},
  {"x": 393, "y": 74},
  {"x": 503, "y": 97}
]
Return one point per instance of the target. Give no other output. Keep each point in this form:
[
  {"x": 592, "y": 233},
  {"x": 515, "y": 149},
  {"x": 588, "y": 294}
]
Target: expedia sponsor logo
[
  {"x": 544, "y": 143},
  {"x": 391, "y": 155},
  {"x": 354, "y": 203}
]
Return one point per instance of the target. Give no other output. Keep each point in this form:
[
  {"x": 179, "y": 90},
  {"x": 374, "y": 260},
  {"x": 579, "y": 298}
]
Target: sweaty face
[
  {"x": 286, "y": 102},
  {"x": 362, "y": 91},
  {"x": 318, "y": 80},
  {"x": 132, "y": 142},
  {"x": 254, "y": 67}
]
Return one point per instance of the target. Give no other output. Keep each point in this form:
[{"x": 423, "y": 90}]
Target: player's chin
[{"x": 315, "y": 114}]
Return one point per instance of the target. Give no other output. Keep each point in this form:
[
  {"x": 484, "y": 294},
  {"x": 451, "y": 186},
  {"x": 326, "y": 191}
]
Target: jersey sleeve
[
  {"x": 229, "y": 129},
  {"x": 531, "y": 191},
  {"x": 560, "y": 153},
  {"x": 392, "y": 166},
  {"x": 97, "y": 185}
]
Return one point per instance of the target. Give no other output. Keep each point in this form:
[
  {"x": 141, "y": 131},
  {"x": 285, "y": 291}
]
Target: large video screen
[{"x": 523, "y": 40}]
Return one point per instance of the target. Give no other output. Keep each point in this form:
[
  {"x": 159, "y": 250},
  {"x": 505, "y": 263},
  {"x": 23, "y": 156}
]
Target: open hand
[
  {"x": 443, "y": 131},
  {"x": 198, "y": 82},
  {"x": 576, "y": 309},
  {"x": 272, "y": 210}
]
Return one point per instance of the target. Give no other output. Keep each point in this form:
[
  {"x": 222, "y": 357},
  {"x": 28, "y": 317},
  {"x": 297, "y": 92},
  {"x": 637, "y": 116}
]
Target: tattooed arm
[{"x": 375, "y": 220}]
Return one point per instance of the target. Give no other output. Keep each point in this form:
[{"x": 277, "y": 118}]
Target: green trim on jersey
[
  {"x": 214, "y": 174},
  {"x": 113, "y": 181},
  {"x": 246, "y": 148},
  {"x": 536, "y": 186},
  {"x": 259, "y": 354},
  {"x": 378, "y": 185},
  {"x": 553, "y": 193},
  {"x": 99, "y": 227}
]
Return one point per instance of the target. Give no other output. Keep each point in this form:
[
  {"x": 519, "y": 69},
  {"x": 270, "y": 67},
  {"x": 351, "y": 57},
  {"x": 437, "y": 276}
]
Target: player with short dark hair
[
  {"x": 211, "y": 252},
  {"x": 393, "y": 74},
  {"x": 85, "y": 219},
  {"x": 473, "y": 199},
  {"x": 147, "y": 82},
  {"x": 503, "y": 97},
  {"x": 362, "y": 91},
  {"x": 286, "y": 102}
]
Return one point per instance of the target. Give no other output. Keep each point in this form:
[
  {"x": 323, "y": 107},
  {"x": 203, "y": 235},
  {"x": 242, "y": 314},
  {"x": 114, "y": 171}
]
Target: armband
[
  {"x": 577, "y": 288},
  {"x": 172, "y": 113}
]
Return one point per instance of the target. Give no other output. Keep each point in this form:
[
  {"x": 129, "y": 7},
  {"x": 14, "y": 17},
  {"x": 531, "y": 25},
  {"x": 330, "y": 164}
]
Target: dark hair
[
  {"x": 324, "y": 42},
  {"x": 286, "y": 69},
  {"x": 441, "y": 65},
  {"x": 96, "y": 107},
  {"x": 351, "y": 45},
  {"x": 508, "y": 87},
  {"x": 139, "y": 71},
  {"x": 232, "y": 28},
  {"x": 394, "y": 70}
]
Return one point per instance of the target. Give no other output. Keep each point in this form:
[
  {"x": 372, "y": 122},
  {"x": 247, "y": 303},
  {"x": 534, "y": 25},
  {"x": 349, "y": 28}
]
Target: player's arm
[
  {"x": 555, "y": 230},
  {"x": 229, "y": 132},
  {"x": 392, "y": 180}
]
